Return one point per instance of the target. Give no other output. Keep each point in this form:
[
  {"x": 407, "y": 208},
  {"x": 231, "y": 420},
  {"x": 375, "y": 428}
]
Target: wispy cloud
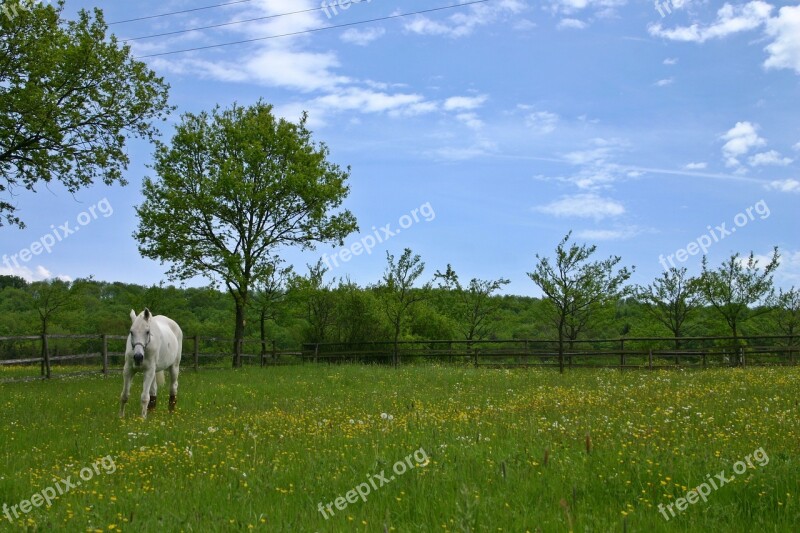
[
  {"x": 588, "y": 205},
  {"x": 458, "y": 103},
  {"x": 789, "y": 185},
  {"x": 465, "y": 22},
  {"x": 695, "y": 166},
  {"x": 570, "y": 23},
  {"x": 362, "y": 37},
  {"x": 772, "y": 157},
  {"x": 730, "y": 20}
]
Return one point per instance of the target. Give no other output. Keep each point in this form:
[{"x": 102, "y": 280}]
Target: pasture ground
[{"x": 504, "y": 450}]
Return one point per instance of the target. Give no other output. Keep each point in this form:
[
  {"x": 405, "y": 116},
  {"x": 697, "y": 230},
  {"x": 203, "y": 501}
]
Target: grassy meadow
[{"x": 497, "y": 450}]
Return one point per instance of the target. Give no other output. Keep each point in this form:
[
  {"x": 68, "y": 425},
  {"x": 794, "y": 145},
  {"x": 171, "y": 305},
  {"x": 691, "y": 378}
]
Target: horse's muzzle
[{"x": 138, "y": 358}]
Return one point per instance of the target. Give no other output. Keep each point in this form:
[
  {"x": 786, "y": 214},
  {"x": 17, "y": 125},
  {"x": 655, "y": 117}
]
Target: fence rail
[
  {"x": 626, "y": 352},
  {"x": 104, "y": 353}
]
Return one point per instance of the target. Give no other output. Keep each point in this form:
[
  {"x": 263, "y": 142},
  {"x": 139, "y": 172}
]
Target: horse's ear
[
  {"x": 133, "y": 316},
  {"x": 147, "y": 313}
]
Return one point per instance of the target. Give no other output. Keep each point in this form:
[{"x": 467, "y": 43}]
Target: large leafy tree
[
  {"x": 69, "y": 96},
  {"x": 235, "y": 187},
  {"x": 574, "y": 284},
  {"x": 671, "y": 299}
]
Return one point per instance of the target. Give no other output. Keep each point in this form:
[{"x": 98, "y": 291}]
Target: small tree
[
  {"x": 49, "y": 298},
  {"x": 474, "y": 306},
  {"x": 69, "y": 96},
  {"x": 235, "y": 187},
  {"x": 269, "y": 292},
  {"x": 787, "y": 313},
  {"x": 574, "y": 285},
  {"x": 316, "y": 299},
  {"x": 671, "y": 299},
  {"x": 739, "y": 290},
  {"x": 398, "y": 295}
]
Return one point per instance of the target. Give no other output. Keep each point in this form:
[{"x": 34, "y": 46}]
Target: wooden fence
[
  {"x": 104, "y": 353},
  {"x": 627, "y": 352}
]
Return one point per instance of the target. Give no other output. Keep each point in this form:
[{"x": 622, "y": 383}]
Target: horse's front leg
[
  {"x": 149, "y": 379},
  {"x": 153, "y": 394},
  {"x": 127, "y": 374}
]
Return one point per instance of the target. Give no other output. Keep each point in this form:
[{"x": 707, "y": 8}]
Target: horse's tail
[{"x": 160, "y": 377}]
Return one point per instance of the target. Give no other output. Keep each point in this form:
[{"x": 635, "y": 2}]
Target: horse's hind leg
[{"x": 173, "y": 388}]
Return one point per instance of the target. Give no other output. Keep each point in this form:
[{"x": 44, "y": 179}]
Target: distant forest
[{"x": 307, "y": 310}]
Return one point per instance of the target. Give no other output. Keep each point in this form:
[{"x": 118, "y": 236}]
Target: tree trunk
[
  {"x": 263, "y": 329},
  {"x": 561, "y": 346},
  {"x": 238, "y": 334},
  {"x": 396, "y": 345},
  {"x": 45, "y": 354}
]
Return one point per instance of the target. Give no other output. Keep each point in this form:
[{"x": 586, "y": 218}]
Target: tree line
[{"x": 583, "y": 298}]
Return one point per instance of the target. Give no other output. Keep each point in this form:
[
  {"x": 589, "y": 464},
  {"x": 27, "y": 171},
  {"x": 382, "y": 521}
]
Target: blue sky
[{"x": 506, "y": 123}]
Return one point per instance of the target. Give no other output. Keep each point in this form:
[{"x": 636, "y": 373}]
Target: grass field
[{"x": 496, "y": 450}]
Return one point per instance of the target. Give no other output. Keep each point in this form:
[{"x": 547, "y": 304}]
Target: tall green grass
[{"x": 509, "y": 450}]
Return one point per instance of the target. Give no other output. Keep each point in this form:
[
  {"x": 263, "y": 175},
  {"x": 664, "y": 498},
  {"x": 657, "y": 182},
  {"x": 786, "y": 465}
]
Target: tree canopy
[{"x": 69, "y": 96}]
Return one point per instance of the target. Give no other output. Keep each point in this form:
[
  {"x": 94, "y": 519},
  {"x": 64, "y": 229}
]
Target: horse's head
[{"x": 140, "y": 334}]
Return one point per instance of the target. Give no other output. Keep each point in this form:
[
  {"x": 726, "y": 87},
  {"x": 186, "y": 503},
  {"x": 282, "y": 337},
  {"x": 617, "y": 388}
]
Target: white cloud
[
  {"x": 464, "y": 22},
  {"x": 730, "y": 20},
  {"x": 784, "y": 51},
  {"x": 789, "y": 185},
  {"x": 471, "y": 120},
  {"x": 478, "y": 148},
  {"x": 362, "y": 37},
  {"x": 587, "y": 205},
  {"x": 541, "y": 122},
  {"x": 695, "y": 166},
  {"x": 740, "y": 139},
  {"x": 39, "y": 273},
  {"x": 569, "y": 23},
  {"x": 607, "y": 234},
  {"x": 457, "y": 103},
  {"x": 671, "y": 61},
  {"x": 772, "y": 157},
  {"x": 796, "y": 147},
  {"x": 665, "y": 82},
  {"x": 567, "y": 7}
]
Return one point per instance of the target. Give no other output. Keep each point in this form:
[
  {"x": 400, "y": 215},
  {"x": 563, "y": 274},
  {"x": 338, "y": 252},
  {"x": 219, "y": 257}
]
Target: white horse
[{"x": 154, "y": 345}]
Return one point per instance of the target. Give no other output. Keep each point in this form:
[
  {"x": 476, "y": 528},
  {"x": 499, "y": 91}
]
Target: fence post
[
  {"x": 274, "y": 352},
  {"x": 650, "y": 359},
  {"x": 105, "y": 354},
  {"x": 741, "y": 351},
  {"x": 316, "y": 351},
  {"x": 196, "y": 353},
  {"x": 704, "y": 359}
]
